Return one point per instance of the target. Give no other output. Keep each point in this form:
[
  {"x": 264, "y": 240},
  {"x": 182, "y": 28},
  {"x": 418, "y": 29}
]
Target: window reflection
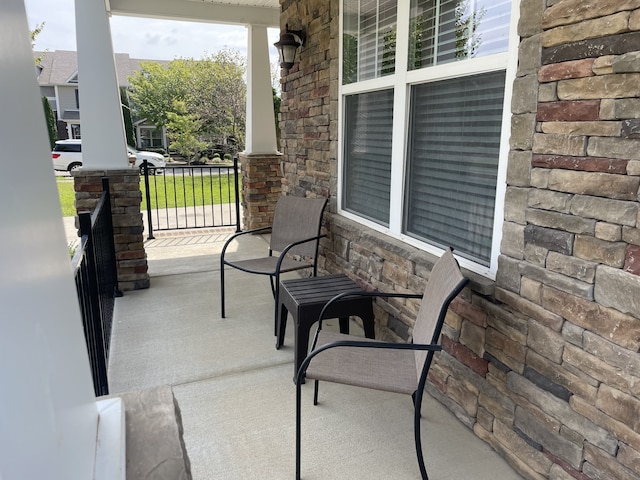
[{"x": 442, "y": 31}]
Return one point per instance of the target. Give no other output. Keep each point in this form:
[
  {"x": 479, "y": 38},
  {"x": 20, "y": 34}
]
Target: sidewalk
[{"x": 235, "y": 393}]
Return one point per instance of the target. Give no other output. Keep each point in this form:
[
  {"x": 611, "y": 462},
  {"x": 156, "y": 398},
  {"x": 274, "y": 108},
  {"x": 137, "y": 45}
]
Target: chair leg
[
  {"x": 413, "y": 398},
  {"x": 417, "y": 397},
  {"x": 282, "y": 325},
  {"x": 273, "y": 286},
  {"x": 276, "y": 298},
  {"x": 298, "y": 427},
  {"x": 316, "y": 386},
  {"x": 222, "y": 313}
]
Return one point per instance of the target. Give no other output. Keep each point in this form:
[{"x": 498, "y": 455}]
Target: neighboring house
[{"x": 58, "y": 81}]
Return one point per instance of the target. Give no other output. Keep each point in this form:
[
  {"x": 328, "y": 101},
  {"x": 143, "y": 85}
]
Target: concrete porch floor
[{"x": 235, "y": 390}]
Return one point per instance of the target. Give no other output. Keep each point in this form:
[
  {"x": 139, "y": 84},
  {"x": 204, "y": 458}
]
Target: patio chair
[
  {"x": 295, "y": 231},
  {"x": 392, "y": 367}
]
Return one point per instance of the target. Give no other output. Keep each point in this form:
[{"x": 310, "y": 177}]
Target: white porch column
[
  {"x": 261, "y": 126},
  {"x": 48, "y": 413},
  {"x": 103, "y": 137}
]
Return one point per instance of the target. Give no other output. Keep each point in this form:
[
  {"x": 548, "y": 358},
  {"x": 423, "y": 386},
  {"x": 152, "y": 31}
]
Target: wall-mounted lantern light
[{"x": 289, "y": 42}]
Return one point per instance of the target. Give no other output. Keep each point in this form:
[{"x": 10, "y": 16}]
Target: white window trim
[
  {"x": 401, "y": 82},
  {"x": 501, "y": 186}
]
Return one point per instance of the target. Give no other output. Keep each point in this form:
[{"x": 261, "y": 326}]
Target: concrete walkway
[{"x": 235, "y": 392}]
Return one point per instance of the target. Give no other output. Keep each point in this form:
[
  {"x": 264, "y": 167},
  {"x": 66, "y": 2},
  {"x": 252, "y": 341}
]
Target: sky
[{"x": 144, "y": 38}]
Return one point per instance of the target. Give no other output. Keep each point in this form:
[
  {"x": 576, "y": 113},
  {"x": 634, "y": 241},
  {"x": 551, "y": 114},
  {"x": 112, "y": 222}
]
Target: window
[
  {"x": 150, "y": 137},
  {"x": 369, "y": 37},
  {"x": 442, "y": 31},
  {"x": 453, "y": 152},
  {"x": 74, "y": 147},
  {"x": 422, "y": 135},
  {"x": 368, "y": 125}
]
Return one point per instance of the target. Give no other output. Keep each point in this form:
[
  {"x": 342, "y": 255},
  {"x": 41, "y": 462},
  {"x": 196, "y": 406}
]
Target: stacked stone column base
[
  {"x": 128, "y": 228},
  {"x": 261, "y": 188}
]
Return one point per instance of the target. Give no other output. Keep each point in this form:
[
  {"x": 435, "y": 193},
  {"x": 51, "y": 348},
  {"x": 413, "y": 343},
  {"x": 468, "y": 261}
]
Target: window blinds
[
  {"x": 453, "y": 161},
  {"x": 367, "y": 154}
]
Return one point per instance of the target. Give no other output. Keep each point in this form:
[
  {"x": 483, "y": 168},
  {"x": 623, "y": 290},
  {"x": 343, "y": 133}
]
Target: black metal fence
[
  {"x": 94, "y": 265},
  {"x": 192, "y": 196}
]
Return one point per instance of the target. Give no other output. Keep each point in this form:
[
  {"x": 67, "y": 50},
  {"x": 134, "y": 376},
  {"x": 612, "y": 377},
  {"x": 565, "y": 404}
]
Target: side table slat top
[
  {"x": 319, "y": 290},
  {"x": 305, "y": 298}
]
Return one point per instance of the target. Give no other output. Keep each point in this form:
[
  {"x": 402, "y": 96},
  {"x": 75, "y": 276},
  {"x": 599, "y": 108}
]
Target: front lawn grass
[
  {"x": 67, "y": 196},
  {"x": 166, "y": 192},
  {"x": 186, "y": 191}
]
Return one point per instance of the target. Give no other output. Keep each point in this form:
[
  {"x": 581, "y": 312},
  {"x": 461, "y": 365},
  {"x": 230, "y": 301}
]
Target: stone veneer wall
[
  {"x": 308, "y": 114},
  {"x": 261, "y": 187},
  {"x": 570, "y": 265},
  {"x": 128, "y": 227},
  {"x": 543, "y": 364}
]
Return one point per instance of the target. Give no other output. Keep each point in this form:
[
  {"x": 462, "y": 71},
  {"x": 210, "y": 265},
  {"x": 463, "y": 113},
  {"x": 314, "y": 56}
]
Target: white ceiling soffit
[{"x": 238, "y": 12}]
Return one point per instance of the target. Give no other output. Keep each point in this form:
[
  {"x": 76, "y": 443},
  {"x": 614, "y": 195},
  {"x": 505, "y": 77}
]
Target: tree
[
  {"x": 154, "y": 89},
  {"x": 277, "y": 101},
  {"x": 51, "y": 122},
  {"x": 126, "y": 115},
  {"x": 211, "y": 90},
  {"x": 275, "y": 76},
  {"x": 350, "y": 58},
  {"x": 34, "y": 34},
  {"x": 468, "y": 40},
  {"x": 219, "y": 95},
  {"x": 183, "y": 128}
]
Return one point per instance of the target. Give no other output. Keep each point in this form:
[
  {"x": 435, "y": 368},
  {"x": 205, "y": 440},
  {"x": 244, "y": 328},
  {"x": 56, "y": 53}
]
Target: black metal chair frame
[
  {"x": 274, "y": 275},
  {"x": 416, "y": 396}
]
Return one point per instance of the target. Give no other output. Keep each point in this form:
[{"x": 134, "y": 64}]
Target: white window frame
[{"x": 401, "y": 82}]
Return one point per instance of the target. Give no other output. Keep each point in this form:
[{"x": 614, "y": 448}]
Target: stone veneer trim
[{"x": 126, "y": 197}]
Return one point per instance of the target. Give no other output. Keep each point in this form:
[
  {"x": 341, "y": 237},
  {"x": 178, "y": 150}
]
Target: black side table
[{"x": 305, "y": 298}]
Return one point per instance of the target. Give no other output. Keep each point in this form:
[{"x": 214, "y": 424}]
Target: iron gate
[{"x": 192, "y": 196}]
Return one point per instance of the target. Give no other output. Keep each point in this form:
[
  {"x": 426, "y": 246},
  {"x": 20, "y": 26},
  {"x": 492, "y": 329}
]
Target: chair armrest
[
  {"x": 365, "y": 294},
  {"x": 357, "y": 294},
  {"x": 361, "y": 344},
  {"x": 291, "y": 245},
  {"x": 236, "y": 235}
]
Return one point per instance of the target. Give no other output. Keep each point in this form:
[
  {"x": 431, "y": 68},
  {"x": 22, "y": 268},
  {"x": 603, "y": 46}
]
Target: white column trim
[
  {"x": 48, "y": 413},
  {"x": 260, "y": 125},
  {"x": 103, "y": 134}
]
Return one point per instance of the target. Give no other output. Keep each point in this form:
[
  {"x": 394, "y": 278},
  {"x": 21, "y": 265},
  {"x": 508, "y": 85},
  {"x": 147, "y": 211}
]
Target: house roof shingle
[{"x": 59, "y": 66}]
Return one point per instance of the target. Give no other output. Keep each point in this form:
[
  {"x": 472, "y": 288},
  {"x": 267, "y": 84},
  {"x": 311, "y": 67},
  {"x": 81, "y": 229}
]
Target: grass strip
[{"x": 169, "y": 191}]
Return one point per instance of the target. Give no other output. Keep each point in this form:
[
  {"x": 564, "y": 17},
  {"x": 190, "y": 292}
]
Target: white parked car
[
  {"x": 154, "y": 160},
  {"x": 67, "y": 156}
]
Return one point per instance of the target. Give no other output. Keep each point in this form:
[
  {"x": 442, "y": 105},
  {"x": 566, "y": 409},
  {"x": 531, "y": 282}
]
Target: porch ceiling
[{"x": 239, "y": 12}]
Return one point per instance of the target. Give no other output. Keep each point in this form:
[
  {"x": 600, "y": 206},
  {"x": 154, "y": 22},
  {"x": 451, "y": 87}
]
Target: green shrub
[{"x": 51, "y": 122}]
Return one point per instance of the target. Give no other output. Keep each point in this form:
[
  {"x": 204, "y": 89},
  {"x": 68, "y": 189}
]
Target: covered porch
[{"x": 234, "y": 390}]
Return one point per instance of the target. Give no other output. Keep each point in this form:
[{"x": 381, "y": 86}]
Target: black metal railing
[
  {"x": 94, "y": 266},
  {"x": 192, "y": 196}
]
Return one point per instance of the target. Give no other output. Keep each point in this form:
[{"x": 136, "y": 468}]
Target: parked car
[
  {"x": 67, "y": 156},
  {"x": 154, "y": 160}
]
